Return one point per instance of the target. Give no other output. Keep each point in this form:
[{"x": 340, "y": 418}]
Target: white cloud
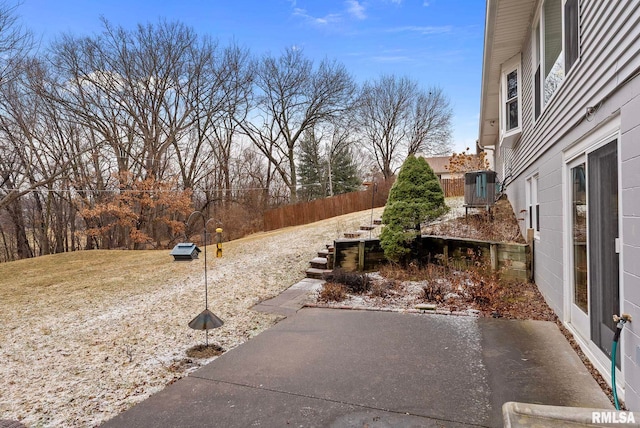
[
  {"x": 320, "y": 21},
  {"x": 391, "y": 58},
  {"x": 424, "y": 30},
  {"x": 356, "y": 9}
]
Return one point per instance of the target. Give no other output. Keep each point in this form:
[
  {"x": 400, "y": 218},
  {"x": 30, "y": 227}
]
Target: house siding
[
  {"x": 610, "y": 54},
  {"x": 630, "y": 190},
  {"x": 605, "y": 77},
  {"x": 548, "y": 250}
]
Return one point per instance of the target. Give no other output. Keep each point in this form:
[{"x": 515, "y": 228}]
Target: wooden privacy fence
[
  {"x": 452, "y": 186},
  {"x": 320, "y": 209}
]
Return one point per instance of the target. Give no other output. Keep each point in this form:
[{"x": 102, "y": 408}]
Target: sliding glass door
[
  {"x": 603, "y": 246},
  {"x": 593, "y": 250}
]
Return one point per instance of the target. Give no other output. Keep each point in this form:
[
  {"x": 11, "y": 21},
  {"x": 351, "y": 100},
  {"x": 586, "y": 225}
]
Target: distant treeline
[{"x": 112, "y": 140}]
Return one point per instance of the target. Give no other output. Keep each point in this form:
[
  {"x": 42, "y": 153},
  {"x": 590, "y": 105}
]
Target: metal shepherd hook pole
[
  {"x": 206, "y": 320},
  {"x": 206, "y": 287},
  {"x": 374, "y": 189}
]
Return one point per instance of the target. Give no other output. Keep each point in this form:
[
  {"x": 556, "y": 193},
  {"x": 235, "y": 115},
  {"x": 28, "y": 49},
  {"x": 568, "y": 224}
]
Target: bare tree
[
  {"x": 223, "y": 133},
  {"x": 203, "y": 155},
  {"x": 141, "y": 93},
  {"x": 430, "y": 124},
  {"x": 136, "y": 89},
  {"x": 397, "y": 118},
  {"x": 33, "y": 156},
  {"x": 15, "y": 45},
  {"x": 291, "y": 97},
  {"x": 15, "y": 42}
]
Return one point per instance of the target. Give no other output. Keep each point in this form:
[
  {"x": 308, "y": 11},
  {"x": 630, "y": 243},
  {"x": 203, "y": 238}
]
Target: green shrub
[{"x": 415, "y": 197}]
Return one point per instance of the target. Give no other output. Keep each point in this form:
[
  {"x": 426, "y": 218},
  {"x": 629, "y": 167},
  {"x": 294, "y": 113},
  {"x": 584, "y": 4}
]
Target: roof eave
[
  {"x": 489, "y": 28},
  {"x": 503, "y": 39}
]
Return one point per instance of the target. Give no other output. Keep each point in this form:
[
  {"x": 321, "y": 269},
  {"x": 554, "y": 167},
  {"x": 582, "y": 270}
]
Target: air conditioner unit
[{"x": 480, "y": 188}]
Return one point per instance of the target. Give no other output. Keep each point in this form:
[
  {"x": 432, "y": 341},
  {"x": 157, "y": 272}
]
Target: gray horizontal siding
[{"x": 610, "y": 54}]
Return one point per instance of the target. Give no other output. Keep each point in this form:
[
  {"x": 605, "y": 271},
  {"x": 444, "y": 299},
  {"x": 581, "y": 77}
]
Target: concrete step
[
  {"x": 317, "y": 273},
  {"x": 319, "y": 263}
]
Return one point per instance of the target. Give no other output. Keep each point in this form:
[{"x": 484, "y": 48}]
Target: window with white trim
[
  {"x": 512, "y": 110},
  {"x": 533, "y": 205},
  {"x": 555, "y": 46},
  {"x": 510, "y": 96}
]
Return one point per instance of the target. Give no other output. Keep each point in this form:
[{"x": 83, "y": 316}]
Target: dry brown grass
[
  {"x": 502, "y": 225},
  {"x": 56, "y": 279},
  {"x": 412, "y": 272},
  {"x": 86, "y": 335},
  {"x": 475, "y": 286},
  {"x": 332, "y": 292}
]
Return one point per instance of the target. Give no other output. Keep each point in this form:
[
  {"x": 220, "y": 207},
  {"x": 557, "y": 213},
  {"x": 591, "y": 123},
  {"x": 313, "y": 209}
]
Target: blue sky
[{"x": 436, "y": 42}]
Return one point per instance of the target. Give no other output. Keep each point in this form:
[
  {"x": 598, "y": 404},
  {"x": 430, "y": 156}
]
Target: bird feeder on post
[
  {"x": 185, "y": 251},
  {"x": 206, "y": 320},
  {"x": 218, "y": 242}
]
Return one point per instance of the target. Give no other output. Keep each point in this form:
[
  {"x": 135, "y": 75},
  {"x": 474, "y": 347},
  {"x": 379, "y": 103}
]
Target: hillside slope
[{"x": 85, "y": 335}]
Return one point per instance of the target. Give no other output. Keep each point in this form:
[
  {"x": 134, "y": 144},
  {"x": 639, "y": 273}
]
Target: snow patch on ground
[{"x": 83, "y": 361}]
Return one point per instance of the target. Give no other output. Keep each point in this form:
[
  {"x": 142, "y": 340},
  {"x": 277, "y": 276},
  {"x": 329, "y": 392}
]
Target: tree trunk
[
  {"x": 330, "y": 179},
  {"x": 23, "y": 249},
  {"x": 41, "y": 225},
  {"x": 60, "y": 229},
  {"x": 8, "y": 254},
  {"x": 294, "y": 180}
]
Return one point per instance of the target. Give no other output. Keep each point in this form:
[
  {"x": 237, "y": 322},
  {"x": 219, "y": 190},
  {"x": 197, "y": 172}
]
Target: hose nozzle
[{"x": 621, "y": 320}]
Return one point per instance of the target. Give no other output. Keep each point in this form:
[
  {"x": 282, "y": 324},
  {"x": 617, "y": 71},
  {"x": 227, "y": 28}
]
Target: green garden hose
[
  {"x": 613, "y": 371},
  {"x": 614, "y": 347}
]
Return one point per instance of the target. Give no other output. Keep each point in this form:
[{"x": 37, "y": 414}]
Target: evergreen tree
[
  {"x": 415, "y": 197},
  {"x": 344, "y": 172},
  {"x": 311, "y": 169},
  {"x": 325, "y": 170}
]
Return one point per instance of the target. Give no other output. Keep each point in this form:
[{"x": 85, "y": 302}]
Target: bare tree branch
[
  {"x": 291, "y": 98},
  {"x": 397, "y": 118}
]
